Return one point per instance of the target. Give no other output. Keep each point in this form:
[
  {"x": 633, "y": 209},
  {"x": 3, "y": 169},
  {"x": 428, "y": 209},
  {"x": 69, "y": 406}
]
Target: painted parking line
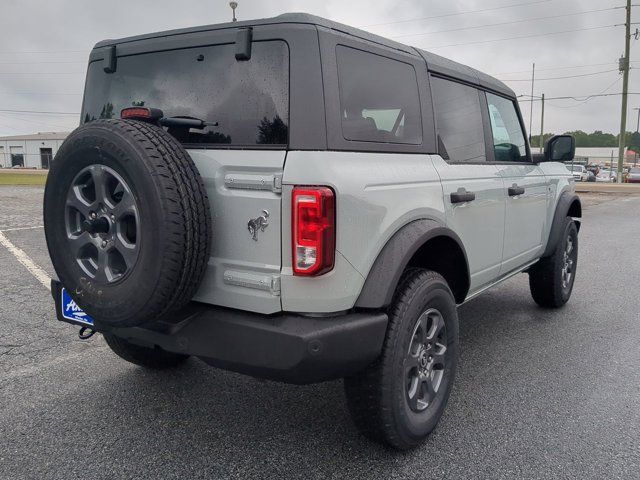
[
  {"x": 24, "y": 259},
  {"x": 15, "y": 229}
]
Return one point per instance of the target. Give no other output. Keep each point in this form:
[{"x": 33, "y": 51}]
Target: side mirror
[{"x": 560, "y": 148}]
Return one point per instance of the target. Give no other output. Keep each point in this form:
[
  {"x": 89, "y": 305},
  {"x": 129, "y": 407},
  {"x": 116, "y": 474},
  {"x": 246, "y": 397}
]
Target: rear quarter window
[
  {"x": 249, "y": 100},
  {"x": 379, "y": 100}
]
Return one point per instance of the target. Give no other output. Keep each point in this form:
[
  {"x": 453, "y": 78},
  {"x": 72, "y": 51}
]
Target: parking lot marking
[
  {"x": 24, "y": 259},
  {"x": 15, "y": 229}
]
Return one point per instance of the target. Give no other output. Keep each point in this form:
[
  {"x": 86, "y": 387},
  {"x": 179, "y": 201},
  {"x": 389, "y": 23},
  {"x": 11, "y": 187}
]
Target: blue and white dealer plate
[{"x": 71, "y": 311}]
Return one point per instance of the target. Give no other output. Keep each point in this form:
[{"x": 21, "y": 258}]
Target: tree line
[{"x": 595, "y": 139}]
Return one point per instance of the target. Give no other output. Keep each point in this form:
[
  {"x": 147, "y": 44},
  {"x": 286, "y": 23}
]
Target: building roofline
[{"x": 36, "y": 136}]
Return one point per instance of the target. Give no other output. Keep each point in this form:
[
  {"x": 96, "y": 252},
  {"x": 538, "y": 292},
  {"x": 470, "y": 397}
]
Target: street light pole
[
  {"x": 533, "y": 76},
  {"x": 233, "y": 6}
]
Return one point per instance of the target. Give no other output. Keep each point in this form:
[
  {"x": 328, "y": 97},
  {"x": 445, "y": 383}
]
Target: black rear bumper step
[{"x": 284, "y": 347}]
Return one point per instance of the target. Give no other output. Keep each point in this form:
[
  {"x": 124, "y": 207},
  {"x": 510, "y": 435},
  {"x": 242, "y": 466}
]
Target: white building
[
  {"x": 596, "y": 155},
  {"x": 30, "y": 151}
]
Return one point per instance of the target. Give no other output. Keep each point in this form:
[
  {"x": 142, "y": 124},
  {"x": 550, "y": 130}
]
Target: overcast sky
[{"x": 44, "y": 46}]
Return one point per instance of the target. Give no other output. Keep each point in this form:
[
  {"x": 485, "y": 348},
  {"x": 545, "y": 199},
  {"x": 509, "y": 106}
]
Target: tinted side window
[
  {"x": 458, "y": 120},
  {"x": 508, "y": 138},
  {"x": 248, "y": 100},
  {"x": 379, "y": 99}
]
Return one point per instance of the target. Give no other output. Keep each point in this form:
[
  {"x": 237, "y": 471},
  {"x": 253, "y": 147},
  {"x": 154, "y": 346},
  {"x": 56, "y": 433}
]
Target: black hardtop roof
[{"x": 436, "y": 63}]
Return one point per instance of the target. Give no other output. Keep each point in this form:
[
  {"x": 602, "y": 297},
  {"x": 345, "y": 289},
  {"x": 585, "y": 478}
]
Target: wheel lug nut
[
  {"x": 104, "y": 243},
  {"x": 93, "y": 215},
  {"x": 113, "y": 218}
]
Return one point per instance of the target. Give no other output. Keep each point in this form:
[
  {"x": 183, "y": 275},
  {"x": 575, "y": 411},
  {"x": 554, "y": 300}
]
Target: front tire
[
  {"x": 399, "y": 399},
  {"x": 151, "y": 358},
  {"x": 551, "y": 279}
]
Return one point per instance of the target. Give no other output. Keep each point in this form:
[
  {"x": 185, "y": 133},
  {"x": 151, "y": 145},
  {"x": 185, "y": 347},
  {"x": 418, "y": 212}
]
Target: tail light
[
  {"x": 314, "y": 230},
  {"x": 142, "y": 113}
]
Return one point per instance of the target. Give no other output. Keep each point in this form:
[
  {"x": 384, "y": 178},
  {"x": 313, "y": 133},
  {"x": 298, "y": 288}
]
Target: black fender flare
[
  {"x": 563, "y": 210},
  {"x": 394, "y": 257}
]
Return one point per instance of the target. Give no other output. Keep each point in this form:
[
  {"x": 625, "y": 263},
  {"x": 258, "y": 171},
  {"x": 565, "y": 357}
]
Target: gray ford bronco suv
[{"x": 298, "y": 200}]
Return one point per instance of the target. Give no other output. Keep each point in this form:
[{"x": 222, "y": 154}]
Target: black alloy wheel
[{"x": 103, "y": 226}]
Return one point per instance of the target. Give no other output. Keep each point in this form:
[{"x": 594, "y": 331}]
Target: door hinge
[
  {"x": 253, "y": 181},
  {"x": 267, "y": 283},
  {"x": 275, "y": 285},
  {"x": 277, "y": 183}
]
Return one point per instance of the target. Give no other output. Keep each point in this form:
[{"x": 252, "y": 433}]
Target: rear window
[
  {"x": 249, "y": 100},
  {"x": 379, "y": 98}
]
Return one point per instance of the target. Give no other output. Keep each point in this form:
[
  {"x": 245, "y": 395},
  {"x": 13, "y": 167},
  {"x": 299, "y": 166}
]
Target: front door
[
  {"x": 472, "y": 187},
  {"x": 525, "y": 186}
]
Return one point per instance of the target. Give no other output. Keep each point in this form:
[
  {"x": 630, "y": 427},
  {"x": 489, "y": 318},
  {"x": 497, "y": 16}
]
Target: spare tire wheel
[{"x": 127, "y": 222}]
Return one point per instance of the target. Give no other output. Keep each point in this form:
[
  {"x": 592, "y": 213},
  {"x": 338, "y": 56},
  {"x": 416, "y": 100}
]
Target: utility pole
[
  {"x": 533, "y": 76},
  {"x": 541, "y": 125},
  {"x": 624, "y": 68}
]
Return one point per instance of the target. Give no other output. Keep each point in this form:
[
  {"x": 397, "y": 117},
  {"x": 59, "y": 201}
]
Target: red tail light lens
[
  {"x": 314, "y": 230},
  {"x": 135, "y": 112},
  {"x": 142, "y": 113}
]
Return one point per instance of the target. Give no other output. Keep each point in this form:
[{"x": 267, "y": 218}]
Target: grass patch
[{"x": 19, "y": 178}]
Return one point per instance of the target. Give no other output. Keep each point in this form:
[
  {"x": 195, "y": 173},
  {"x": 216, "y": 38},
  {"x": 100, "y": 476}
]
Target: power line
[
  {"x": 559, "y": 78},
  {"x": 37, "y": 112},
  {"x": 34, "y": 122},
  {"x": 15, "y": 52},
  {"x": 588, "y": 98},
  {"x": 526, "y": 20},
  {"x": 40, "y": 93},
  {"x": 457, "y": 13},
  {"x": 523, "y": 36},
  {"x": 42, "y": 62},
  {"x": 557, "y": 68},
  {"x": 42, "y": 73},
  {"x": 574, "y": 98}
]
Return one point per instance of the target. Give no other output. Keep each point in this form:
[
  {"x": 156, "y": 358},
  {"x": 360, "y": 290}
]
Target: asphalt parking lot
[{"x": 539, "y": 394}]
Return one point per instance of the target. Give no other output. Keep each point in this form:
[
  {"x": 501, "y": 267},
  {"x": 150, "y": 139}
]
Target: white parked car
[{"x": 579, "y": 172}]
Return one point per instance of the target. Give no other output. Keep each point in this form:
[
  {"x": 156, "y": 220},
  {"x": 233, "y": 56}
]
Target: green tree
[
  {"x": 107, "y": 110},
  {"x": 633, "y": 141},
  {"x": 535, "y": 140}
]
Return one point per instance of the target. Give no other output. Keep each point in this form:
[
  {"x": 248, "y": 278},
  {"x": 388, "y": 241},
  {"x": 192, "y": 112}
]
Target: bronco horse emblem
[{"x": 259, "y": 223}]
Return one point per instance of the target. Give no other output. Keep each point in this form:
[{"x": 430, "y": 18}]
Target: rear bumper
[{"x": 284, "y": 347}]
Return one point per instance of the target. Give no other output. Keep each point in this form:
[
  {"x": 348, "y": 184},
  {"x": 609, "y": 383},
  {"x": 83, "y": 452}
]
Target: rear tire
[
  {"x": 551, "y": 279},
  {"x": 399, "y": 399},
  {"x": 152, "y": 358}
]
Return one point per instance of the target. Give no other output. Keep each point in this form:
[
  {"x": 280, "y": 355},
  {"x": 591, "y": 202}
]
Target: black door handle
[
  {"x": 515, "y": 190},
  {"x": 462, "y": 195}
]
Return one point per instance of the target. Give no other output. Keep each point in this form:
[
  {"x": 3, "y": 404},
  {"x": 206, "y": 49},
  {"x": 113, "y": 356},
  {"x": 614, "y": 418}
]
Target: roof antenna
[{"x": 233, "y": 6}]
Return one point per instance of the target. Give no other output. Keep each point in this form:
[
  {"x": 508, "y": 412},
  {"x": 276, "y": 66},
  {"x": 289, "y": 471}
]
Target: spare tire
[{"x": 127, "y": 222}]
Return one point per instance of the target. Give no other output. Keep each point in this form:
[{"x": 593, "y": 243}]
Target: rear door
[
  {"x": 240, "y": 154},
  {"x": 472, "y": 187},
  {"x": 525, "y": 187}
]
